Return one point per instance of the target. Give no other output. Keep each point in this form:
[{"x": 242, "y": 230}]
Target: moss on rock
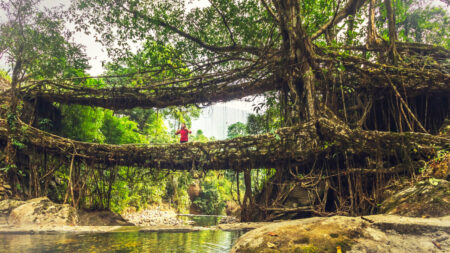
[
  {"x": 376, "y": 233},
  {"x": 430, "y": 198},
  {"x": 42, "y": 211},
  {"x": 308, "y": 235}
]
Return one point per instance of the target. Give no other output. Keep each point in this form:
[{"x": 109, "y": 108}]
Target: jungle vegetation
[{"x": 356, "y": 96}]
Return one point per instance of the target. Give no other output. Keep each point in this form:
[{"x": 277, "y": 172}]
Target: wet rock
[
  {"x": 302, "y": 196},
  {"x": 42, "y": 211},
  {"x": 307, "y": 235},
  {"x": 229, "y": 220},
  {"x": 101, "y": 218},
  {"x": 377, "y": 233},
  {"x": 232, "y": 209},
  {"x": 241, "y": 226},
  {"x": 429, "y": 198}
]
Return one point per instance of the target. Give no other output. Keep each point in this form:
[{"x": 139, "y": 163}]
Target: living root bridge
[
  {"x": 148, "y": 97},
  {"x": 367, "y": 80},
  {"x": 374, "y": 79},
  {"x": 294, "y": 145}
]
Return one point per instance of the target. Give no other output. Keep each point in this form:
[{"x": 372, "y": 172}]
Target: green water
[
  {"x": 201, "y": 241},
  {"x": 204, "y": 220}
]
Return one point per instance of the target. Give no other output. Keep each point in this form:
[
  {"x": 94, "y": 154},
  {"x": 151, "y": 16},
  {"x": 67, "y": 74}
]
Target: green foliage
[
  {"x": 267, "y": 122},
  {"x": 417, "y": 22},
  {"x": 120, "y": 130},
  {"x": 8, "y": 167},
  {"x": 45, "y": 124},
  {"x": 11, "y": 119},
  {"x": 210, "y": 201},
  {"x": 4, "y": 75},
  {"x": 141, "y": 20},
  {"x": 425, "y": 25},
  {"x": 176, "y": 190},
  {"x": 157, "y": 131},
  {"x": 200, "y": 137},
  {"x": 154, "y": 62},
  {"x": 256, "y": 124},
  {"x": 130, "y": 186},
  {"x": 82, "y": 123},
  {"x": 36, "y": 41},
  {"x": 85, "y": 123},
  {"x": 18, "y": 144},
  {"x": 237, "y": 129},
  {"x": 135, "y": 189},
  {"x": 441, "y": 154},
  {"x": 316, "y": 13},
  {"x": 267, "y": 117},
  {"x": 173, "y": 42}
]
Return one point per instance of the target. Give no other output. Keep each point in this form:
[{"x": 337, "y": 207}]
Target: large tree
[
  {"x": 35, "y": 45},
  {"x": 323, "y": 56},
  {"x": 337, "y": 75},
  {"x": 300, "y": 47}
]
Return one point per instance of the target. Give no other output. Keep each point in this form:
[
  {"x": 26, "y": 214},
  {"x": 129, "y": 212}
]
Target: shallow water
[
  {"x": 202, "y": 220},
  {"x": 200, "y": 241}
]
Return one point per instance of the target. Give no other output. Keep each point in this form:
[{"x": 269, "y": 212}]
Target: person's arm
[
  {"x": 177, "y": 132},
  {"x": 189, "y": 131}
]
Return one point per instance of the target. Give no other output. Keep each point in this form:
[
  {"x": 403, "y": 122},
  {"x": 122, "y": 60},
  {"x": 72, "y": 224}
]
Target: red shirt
[{"x": 184, "y": 134}]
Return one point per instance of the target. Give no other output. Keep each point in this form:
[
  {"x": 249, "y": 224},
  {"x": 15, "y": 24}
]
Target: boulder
[
  {"x": 101, "y": 218},
  {"x": 193, "y": 191},
  {"x": 153, "y": 217},
  {"x": 302, "y": 196},
  {"x": 429, "y": 198},
  {"x": 7, "y": 205},
  {"x": 377, "y": 233},
  {"x": 232, "y": 208},
  {"x": 229, "y": 220},
  {"x": 42, "y": 211}
]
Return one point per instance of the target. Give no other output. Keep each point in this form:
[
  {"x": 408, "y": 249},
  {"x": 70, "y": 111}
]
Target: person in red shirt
[{"x": 184, "y": 132}]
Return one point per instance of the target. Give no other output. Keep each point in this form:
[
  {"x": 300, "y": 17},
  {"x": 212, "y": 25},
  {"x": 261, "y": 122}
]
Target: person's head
[{"x": 183, "y": 126}]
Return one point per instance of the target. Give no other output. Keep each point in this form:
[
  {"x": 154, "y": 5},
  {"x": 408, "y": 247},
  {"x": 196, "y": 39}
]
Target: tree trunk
[
  {"x": 248, "y": 203},
  {"x": 11, "y": 126},
  {"x": 298, "y": 56},
  {"x": 372, "y": 39},
  {"x": 392, "y": 32}
]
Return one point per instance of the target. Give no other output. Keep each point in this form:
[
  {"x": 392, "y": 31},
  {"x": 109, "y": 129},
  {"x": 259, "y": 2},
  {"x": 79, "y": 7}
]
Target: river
[{"x": 197, "y": 241}]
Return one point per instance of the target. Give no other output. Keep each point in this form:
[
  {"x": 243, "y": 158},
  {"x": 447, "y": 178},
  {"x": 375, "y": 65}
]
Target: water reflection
[
  {"x": 201, "y": 241},
  {"x": 202, "y": 220}
]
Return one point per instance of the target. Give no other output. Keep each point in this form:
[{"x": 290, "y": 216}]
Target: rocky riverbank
[
  {"x": 376, "y": 233},
  {"x": 427, "y": 229},
  {"x": 429, "y": 232},
  {"x": 41, "y": 215},
  {"x": 154, "y": 217}
]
